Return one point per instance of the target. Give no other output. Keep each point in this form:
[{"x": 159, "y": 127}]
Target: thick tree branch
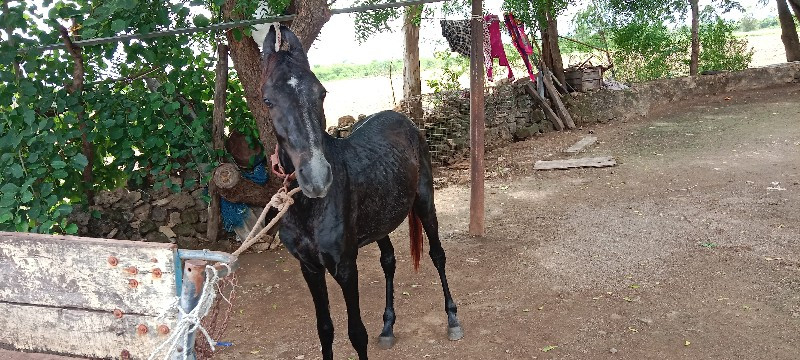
[
  {"x": 77, "y": 88},
  {"x": 247, "y": 62},
  {"x": 9, "y": 33},
  {"x": 312, "y": 16}
]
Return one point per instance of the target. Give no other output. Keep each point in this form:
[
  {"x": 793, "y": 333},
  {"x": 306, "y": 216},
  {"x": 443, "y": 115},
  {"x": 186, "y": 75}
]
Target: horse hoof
[
  {"x": 455, "y": 333},
  {"x": 386, "y": 342}
]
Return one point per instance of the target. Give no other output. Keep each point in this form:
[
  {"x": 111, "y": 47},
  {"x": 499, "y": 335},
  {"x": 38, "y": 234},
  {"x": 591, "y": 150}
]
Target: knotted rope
[{"x": 281, "y": 201}]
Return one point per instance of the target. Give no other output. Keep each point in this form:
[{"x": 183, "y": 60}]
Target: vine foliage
[{"x": 145, "y": 108}]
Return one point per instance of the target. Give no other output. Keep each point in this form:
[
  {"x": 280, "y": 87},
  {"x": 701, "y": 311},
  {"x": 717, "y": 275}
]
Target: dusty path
[{"x": 689, "y": 249}]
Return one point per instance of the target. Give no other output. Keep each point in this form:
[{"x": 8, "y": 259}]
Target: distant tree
[
  {"x": 676, "y": 7},
  {"x": 748, "y": 23},
  {"x": 373, "y": 22}
]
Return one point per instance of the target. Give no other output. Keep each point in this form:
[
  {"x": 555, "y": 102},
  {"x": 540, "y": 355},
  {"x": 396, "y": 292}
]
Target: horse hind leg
[
  {"x": 426, "y": 211},
  {"x": 386, "y": 339}
]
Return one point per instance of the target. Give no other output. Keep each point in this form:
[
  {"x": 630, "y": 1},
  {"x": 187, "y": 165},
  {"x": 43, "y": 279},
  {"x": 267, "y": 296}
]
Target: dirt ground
[{"x": 688, "y": 249}]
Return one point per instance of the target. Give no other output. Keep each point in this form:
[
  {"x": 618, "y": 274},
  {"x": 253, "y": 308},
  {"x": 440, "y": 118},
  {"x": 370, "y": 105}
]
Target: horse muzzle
[{"x": 315, "y": 177}]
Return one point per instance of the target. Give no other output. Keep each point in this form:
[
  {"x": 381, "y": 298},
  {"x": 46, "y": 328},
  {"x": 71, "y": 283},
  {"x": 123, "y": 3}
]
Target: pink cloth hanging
[
  {"x": 520, "y": 40},
  {"x": 495, "y": 43}
]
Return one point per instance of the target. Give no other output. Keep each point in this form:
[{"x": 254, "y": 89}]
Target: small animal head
[{"x": 294, "y": 97}]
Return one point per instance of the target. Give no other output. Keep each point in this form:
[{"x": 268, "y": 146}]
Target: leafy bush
[
  {"x": 720, "y": 49},
  {"x": 452, "y": 68},
  {"x": 145, "y": 109},
  {"x": 645, "y": 50}
]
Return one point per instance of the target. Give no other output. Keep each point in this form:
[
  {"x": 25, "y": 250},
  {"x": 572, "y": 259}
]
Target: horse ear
[
  {"x": 287, "y": 41},
  {"x": 291, "y": 43}
]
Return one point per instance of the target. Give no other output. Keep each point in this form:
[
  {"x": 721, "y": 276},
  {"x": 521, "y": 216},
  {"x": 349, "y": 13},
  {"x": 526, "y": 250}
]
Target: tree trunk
[
  {"x": 695, "y": 59},
  {"x": 557, "y": 65},
  {"x": 9, "y": 32},
  {"x": 551, "y": 54},
  {"x": 218, "y": 137},
  {"x": 788, "y": 32},
  {"x": 796, "y": 7},
  {"x": 412, "y": 83}
]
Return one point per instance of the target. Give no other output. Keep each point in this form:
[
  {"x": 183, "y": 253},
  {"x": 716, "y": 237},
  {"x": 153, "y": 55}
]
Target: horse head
[{"x": 294, "y": 97}]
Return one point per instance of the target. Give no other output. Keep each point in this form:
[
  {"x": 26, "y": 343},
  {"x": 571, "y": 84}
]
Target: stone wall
[
  {"x": 511, "y": 116},
  {"x": 160, "y": 216},
  {"x": 641, "y": 99}
]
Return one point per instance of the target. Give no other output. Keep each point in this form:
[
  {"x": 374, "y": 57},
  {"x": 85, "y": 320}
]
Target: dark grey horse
[{"x": 355, "y": 191}]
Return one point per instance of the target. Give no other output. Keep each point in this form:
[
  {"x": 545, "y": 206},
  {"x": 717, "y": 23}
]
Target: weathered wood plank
[
  {"x": 581, "y": 145},
  {"x": 19, "y": 355},
  {"x": 603, "y": 161},
  {"x": 548, "y": 112},
  {"x": 560, "y": 109},
  {"x": 76, "y": 272},
  {"x": 78, "y": 332}
]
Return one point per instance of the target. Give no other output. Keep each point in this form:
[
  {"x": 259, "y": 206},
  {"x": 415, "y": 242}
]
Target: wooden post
[
  {"x": 194, "y": 277},
  {"x": 217, "y": 134},
  {"x": 476, "y": 120}
]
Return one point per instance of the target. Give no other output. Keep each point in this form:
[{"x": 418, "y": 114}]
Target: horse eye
[{"x": 268, "y": 103}]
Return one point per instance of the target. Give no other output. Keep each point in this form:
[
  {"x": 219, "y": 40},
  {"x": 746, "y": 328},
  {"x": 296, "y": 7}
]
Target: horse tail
[{"x": 415, "y": 231}]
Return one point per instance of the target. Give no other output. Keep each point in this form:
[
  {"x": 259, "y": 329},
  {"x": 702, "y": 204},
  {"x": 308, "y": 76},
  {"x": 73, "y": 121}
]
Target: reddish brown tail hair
[{"x": 415, "y": 231}]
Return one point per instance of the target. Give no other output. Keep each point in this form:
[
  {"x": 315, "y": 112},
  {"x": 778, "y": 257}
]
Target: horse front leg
[
  {"x": 388, "y": 262},
  {"x": 347, "y": 277},
  {"x": 315, "y": 278}
]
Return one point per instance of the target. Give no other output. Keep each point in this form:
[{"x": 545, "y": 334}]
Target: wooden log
[
  {"x": 217, "y": 134},
  {"x": 548, "y": 112},
  {"x": 230, "y": 184},
  {"x": 581, "y": 145},
  {"x": 100, "y": 275},
  {"x": 80, "y": 332},
  {"x": 597, "y": 162},
  {"x": 560, "y": 109}
]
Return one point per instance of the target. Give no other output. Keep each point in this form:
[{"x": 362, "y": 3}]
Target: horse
[{"x": 355, "y": 191}]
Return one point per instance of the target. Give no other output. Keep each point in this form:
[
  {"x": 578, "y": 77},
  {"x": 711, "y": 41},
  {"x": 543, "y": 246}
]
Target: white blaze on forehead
[{"x": 318, "y": 162}]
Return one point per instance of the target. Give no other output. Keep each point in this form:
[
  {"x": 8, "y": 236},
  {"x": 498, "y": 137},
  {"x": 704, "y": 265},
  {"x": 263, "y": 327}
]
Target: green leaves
[
  {"x": 79, "y": 161},
  {"x": 58, "y": 164},
  {"x": 16, "y": 170},
  {"x": 118, "y": 25},
  {"x": 140, "y": 135},
  {"x": 71, "y": 229},
  {"x": 201, "y": 21}
]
